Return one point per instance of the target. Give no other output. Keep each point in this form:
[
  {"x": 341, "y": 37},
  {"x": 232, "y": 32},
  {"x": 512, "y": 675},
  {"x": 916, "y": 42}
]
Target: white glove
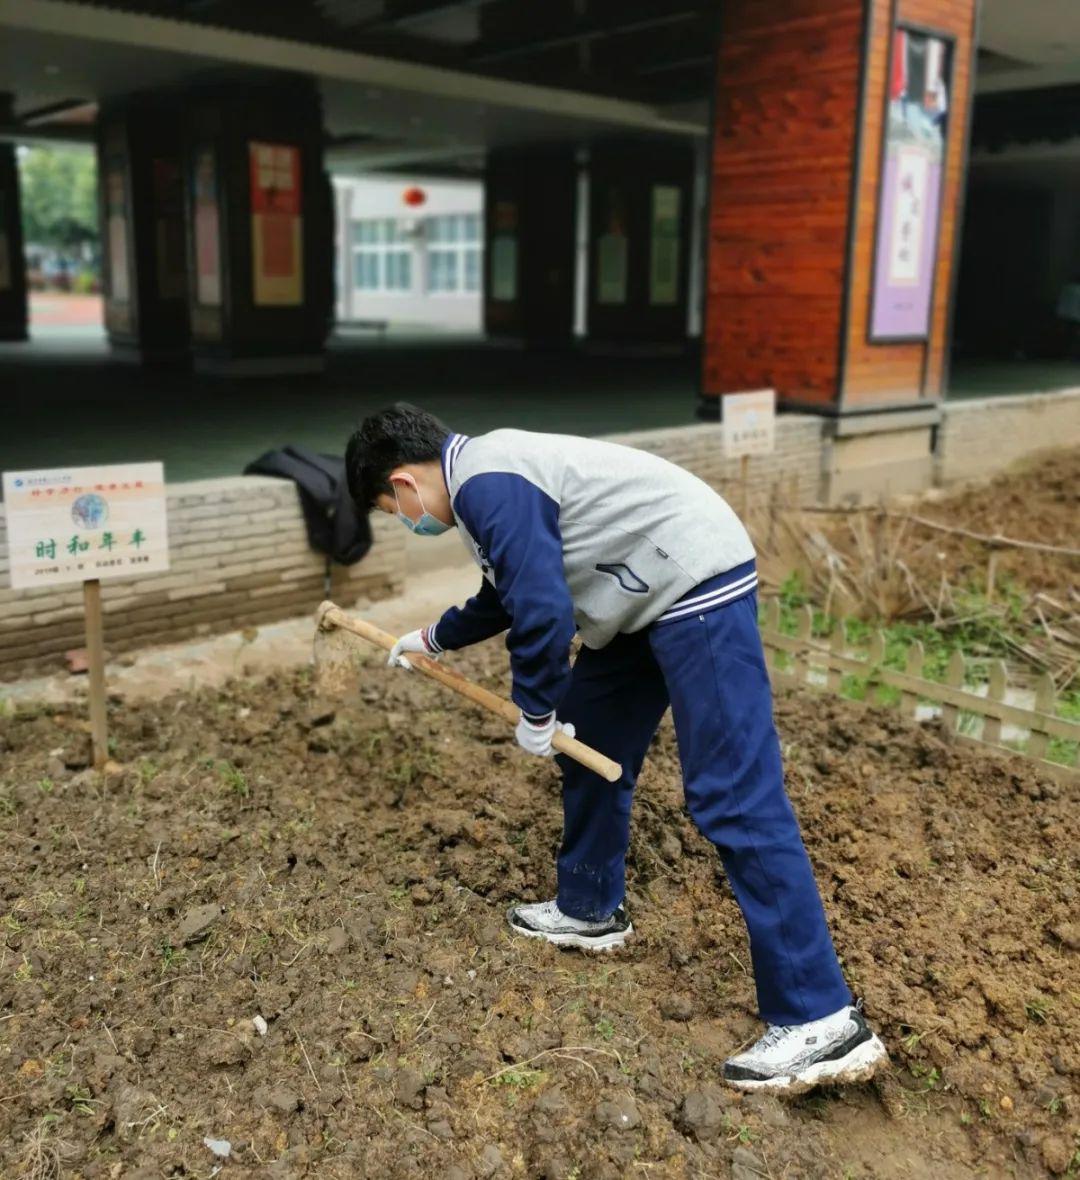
[
  {"x": 416, "y": 641},
  {"x": 535, "y": 736}
]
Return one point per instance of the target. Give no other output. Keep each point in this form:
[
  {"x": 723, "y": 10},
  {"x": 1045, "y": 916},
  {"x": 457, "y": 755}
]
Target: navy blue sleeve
[
  {"x": 480, "y": 618},
  {"x": 517, "y": 526}
]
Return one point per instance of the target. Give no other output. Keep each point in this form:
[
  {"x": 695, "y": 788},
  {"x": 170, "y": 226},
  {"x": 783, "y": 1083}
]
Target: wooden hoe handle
[{"x": 328, "y": 616}]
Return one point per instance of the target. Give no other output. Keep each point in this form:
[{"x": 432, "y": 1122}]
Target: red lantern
[{"x": 414, "y": 196}]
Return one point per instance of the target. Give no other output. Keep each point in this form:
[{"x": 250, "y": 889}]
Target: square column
[
  {"x": 140, "y": 184},
  {"x": 260, "y": 222},
  {"x": 840, "y": 133},
  {"x": 13, "y": 296}
]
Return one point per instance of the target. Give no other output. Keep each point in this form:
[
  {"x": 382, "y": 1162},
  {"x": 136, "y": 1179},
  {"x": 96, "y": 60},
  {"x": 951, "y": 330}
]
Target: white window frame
[
  {"x": 382, "y": 247},
  {"x": 459, "y": 248}
]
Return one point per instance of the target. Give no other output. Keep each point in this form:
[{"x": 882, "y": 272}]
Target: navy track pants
[{"x": 711, "y": 669}]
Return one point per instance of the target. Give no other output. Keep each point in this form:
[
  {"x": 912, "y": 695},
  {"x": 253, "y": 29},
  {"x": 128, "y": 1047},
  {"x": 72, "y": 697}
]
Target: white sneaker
[
  {"x": 792, "y": 1058},
  {"x": 544, "y": 919}
]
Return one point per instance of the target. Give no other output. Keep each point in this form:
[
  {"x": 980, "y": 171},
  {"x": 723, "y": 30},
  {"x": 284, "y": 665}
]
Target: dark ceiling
[{"x": 653, "y": 51}]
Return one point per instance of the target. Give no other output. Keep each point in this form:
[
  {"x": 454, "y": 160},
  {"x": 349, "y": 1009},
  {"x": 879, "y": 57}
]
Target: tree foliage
[{"x": 58, "y": 193}]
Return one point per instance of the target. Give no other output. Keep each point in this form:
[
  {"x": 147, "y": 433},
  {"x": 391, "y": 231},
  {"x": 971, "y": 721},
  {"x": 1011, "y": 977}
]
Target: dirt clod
[
  {"x": 1056, "y": 1154},
  {"x": 747, "y": 1165},
  {"x": 676, "y": 1008},
  {"x": 196, "y": 922},
  {"x": 700, "y": 1114},
  {"x": 279, "y": 1098},
  {"x": 490, "y": 1161},
  {"x": 337, "y": 940},
  {"x": 619, "y": 1112},
  {"x": 408, "y": 1088}
]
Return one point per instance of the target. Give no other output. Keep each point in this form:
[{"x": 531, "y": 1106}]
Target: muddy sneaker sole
[
  {"x": 858, "y": 1065},
  {"x": 607, "y": 940}
]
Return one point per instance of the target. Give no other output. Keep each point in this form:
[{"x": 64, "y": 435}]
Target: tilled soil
[
  {"x": 344, "y": 877},
  {"x": 1038, "y": 500}
]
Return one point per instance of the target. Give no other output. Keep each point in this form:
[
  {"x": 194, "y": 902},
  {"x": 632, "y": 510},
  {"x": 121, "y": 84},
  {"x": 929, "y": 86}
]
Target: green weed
[
  {"x": 80, "y": 1099},
  {"x": 1037, "y": 1009},
  {"x": 521, "y": 1077},
  {"x": 147, "y": 770},
  {"x": 171, "y": 956},
  {"x": 604, "y": 1028},
  {"x": 233, "y": 778}
]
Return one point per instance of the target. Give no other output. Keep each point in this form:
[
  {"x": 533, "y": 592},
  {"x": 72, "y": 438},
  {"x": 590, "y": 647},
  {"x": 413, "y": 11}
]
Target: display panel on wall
[
  {"x": 206, "y": 218},
  {"x": 504, "y": 252},
  {"x": 664, "y": 253},
  {"x": 277, "y": 254},
  {"x": 612, "y": 249},
  {"x": 909, "y": 200}
]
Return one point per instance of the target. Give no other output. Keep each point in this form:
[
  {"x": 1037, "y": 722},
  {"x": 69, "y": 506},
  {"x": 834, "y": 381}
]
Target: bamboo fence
[{"x": 971, "y": 716}]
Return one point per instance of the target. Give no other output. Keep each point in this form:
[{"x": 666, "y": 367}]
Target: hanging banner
[
  {"x": 612, "y": 252},
  {"x": 504, "y": 252},
  {"x": 74, "y": 524},
  {"x": 207, "y": 237},
  {"x": 909, "y": 205},
  {"x": 276, "y": 225},
  {"x": 116, "y": 227},
  {"x": 664, "y": 246}
]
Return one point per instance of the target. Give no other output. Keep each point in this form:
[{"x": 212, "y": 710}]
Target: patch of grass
[
  {"x": 911, "y": 1041},
  {"x": 147, "y": 770},
  {"x": 1037, "y": 1009},
  {"x": 171, "y": 956},
  {"x": 604, "y": 1028},
  {"x": 80, "y": 1099},
  {"x": 232, "y": 777},
  {"x": 521, "y": 1077},
  {"x": 45, "y": 785},
  {"x": 981, "y": 634}
]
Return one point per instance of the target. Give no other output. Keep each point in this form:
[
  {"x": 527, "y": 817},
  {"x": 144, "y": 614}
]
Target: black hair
[{"x": 399, "y": 434}]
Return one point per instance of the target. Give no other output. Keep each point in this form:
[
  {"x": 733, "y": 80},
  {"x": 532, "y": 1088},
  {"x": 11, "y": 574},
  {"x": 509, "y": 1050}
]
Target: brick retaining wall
[
  {"x": 980, "y": 438},
  {"x": 796, "y": 462}
]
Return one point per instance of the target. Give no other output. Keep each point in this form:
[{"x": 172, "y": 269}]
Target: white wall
[{"x": 373, "y": 197}]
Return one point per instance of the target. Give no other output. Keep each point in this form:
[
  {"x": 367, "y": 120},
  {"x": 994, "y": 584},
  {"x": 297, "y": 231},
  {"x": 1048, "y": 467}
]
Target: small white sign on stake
[
  {"x": 82, "y": 524},
  {"x": 749, "y": 421},
  {"x": 73, "y": 524}
]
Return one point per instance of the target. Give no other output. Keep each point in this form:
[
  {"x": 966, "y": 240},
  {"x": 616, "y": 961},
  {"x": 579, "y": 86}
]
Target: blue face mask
[{"x": 427, "y": 525}]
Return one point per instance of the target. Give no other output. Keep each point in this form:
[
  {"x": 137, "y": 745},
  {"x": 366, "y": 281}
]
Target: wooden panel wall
[
  {"x": 790, "y": 184},
  {"x": 785, "y": 118},
  {"x": 883, "y": 374}
]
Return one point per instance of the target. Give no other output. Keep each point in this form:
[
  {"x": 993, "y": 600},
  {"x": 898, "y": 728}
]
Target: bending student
[{"x": 656, "y": 573}]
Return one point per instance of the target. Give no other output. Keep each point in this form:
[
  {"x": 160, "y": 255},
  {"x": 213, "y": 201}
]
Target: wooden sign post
[
  {"x": 84, "y": 524},
  {"x": 95, "y": 659}
]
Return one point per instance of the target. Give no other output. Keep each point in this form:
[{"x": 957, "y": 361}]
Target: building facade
[{"x": 409, "y": 251}]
